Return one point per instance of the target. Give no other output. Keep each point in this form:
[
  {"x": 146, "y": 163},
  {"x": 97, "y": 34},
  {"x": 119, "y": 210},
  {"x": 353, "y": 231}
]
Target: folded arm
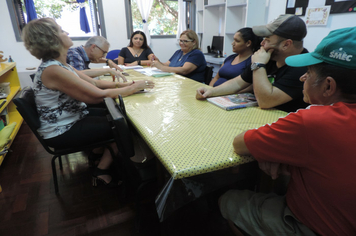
[{"x": 272, "y": 169}]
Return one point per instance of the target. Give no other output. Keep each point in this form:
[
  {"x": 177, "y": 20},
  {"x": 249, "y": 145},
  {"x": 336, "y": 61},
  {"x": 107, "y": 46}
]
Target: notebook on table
[{"x": 234, "y": 101}]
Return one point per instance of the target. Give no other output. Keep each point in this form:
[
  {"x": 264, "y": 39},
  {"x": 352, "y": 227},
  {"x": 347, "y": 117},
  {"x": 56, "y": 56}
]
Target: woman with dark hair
[
  {"x": 62, "y": 94},
  {"x": 244, "y": 45},
  {"x": 138, "y": 52},
  {"x": 188, "y": 61}
]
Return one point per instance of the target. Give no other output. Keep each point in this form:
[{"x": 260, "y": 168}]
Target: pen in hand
[{"x": 153, "y": 58}]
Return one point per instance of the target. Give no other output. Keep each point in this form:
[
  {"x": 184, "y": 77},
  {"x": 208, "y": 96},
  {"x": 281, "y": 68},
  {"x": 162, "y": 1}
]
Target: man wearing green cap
[
  {"x": 275, "y": 84},
  {"x": 316, "y": 146}
]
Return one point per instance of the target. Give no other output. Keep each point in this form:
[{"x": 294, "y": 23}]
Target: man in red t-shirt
[{"x": 316, "y": 146}]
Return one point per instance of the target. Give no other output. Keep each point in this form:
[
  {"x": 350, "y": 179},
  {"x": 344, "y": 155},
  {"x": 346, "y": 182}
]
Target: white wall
[
  {"x": 315, "y": 33},
  {"x": 115, "y": 22}
]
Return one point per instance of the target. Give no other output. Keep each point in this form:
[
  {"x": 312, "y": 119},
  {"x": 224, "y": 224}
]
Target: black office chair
[
  {"x": 208, "y": 74},
  {"x": 137, "y": 176},
  {"x": 25, "y": 104}
]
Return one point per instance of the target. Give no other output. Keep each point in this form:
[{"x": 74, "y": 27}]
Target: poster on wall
[
  {"x": 316, "y": 16},
  {"x": 299, "y": 7}
]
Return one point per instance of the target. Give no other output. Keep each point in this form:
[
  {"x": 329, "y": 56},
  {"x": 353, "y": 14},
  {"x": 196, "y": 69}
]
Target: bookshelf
[
  {"x": 225, "y": 17},
  {"x": 8, "y": 73}
]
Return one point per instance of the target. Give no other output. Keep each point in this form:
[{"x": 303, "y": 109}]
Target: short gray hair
[{"x": 97, "y": 40}]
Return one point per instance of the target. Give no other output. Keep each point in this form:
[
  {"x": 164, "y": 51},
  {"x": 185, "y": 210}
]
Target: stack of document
[
  {"x": 153, "y": 72},
  {"x": 130, "y": 67},
  {"x": 126, "y": 67}
]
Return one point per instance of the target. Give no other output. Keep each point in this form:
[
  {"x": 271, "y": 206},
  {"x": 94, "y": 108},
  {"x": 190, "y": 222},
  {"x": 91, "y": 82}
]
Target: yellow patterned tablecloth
[{"x": 188, "y": 136}]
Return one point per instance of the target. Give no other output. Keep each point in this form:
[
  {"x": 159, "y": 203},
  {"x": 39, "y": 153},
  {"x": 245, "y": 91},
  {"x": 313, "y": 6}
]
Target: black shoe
[
  {"x": 94, "y": 158},
  {"x": 97, "y": 180}
]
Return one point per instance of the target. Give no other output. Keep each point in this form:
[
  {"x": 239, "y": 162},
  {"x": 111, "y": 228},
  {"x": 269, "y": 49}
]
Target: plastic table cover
[{"x": 190, "y": 137}]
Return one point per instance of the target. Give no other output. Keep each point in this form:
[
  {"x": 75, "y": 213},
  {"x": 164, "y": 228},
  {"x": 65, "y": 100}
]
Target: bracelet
[
  {"x": 139, "y": 62},
  {"x": 107, "y": 62}
]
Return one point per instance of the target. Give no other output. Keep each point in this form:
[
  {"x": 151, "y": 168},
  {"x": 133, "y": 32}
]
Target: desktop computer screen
[{"x": 217, "y": 46}]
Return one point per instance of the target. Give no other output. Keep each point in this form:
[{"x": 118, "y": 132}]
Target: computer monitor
[{"x": 217, "y": 45}]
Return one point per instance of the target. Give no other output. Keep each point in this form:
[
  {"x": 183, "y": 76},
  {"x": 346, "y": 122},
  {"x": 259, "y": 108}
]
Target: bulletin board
[{"x": 337, "y": 6}]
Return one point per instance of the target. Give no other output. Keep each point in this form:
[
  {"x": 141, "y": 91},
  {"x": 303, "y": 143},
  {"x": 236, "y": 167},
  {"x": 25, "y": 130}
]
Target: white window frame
[
  {"x": 18, "y": 21},
  {"x": 190, "y": 25}
]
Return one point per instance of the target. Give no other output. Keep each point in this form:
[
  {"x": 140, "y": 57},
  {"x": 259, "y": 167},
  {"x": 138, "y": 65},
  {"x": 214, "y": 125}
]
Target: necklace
[
  {"x": 181, "y": 57},
  {"x": 136, "y": 52}
]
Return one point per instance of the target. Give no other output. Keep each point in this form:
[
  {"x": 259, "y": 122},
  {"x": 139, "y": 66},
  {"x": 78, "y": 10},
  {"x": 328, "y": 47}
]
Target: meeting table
[{"x": 191, "y": 138}]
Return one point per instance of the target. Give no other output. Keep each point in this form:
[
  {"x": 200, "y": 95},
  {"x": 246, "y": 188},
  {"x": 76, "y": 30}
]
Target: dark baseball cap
[
  {"x": 338, "y": 48},
  {"x": 287, "y": 26}
]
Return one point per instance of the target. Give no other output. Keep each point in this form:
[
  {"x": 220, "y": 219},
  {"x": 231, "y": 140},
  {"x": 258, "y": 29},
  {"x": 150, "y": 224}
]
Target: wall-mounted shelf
[{"x": 225, "y": 17}]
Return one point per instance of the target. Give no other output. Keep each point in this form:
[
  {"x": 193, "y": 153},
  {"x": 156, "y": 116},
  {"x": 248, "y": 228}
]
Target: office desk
[{"x": 189, "y": 137}]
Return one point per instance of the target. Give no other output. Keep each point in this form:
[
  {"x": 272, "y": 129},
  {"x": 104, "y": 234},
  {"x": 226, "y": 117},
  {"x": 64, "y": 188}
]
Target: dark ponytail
[{"x": 247, "y": 34}]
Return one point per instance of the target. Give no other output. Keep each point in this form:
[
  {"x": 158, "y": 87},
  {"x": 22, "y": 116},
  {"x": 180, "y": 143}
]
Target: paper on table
[
  {"x": 125, "y": 67},
  {"x": 130, "y": 67},
  {"x": 153, "y": 72}
]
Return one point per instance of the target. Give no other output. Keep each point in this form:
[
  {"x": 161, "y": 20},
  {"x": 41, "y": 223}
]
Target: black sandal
[
  {"x": 94, "y": 158},
  {"x": 96, "y": 177}
]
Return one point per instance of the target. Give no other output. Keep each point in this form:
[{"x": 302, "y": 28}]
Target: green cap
[{"x": 338, "y": 48}]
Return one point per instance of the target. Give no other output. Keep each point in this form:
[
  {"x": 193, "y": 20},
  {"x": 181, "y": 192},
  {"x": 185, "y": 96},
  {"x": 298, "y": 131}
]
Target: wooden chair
[{"x": 25, "y": 104}]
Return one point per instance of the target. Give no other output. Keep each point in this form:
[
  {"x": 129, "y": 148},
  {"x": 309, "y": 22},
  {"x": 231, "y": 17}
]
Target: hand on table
[
  {"x": 112, "y": 64},
  {"x": 143, "y": 84},
  {"x": 203, "y": 93},
  {"x": 157, "y": 64},
  {"x": 117, "y": 74},
  {"x": 274, "y": 169}
]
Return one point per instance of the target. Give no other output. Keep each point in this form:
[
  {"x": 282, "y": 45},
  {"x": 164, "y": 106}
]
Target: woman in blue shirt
[
  {"x": 244, "y": 45},
  {"x": 188, "y": 61}
]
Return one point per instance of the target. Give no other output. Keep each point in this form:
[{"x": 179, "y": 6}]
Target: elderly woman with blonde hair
[
  {"x": 188, "y": 61},
  {"x": 62, "y": 94}
]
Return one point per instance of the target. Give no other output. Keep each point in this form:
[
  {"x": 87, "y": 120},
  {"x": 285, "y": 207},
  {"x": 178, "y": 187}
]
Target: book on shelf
[{"x": 234, "y": 101}]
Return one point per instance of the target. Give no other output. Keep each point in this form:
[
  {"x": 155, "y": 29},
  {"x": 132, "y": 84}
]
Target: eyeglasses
[
  {"x": 184, "y": 41},
  {"x": 104, "y": 52}
]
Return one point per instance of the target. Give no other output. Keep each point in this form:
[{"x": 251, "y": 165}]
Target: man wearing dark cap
[
  {"x": 275, "y": 84},
  {"x": 316, "y": 146}
]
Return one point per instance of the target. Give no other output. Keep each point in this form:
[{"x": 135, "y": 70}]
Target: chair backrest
[
  {"x": 122, "y": 132},
  {"x": 208, "y": 74},
  {"x": 26, "y": 105},
  {"x": 113, "y": 54}
]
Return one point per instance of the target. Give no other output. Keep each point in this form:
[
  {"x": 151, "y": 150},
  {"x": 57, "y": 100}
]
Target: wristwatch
[
  {"x": 257, "y": 65},
  {"x": 107, "y": 62}
]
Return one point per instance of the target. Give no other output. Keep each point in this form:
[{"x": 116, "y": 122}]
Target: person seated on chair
[
  {"x": 316, "y": 146},
  {"x": 188, "y": 61},
  {"x": 62, "y": 92},
  {"x": 93, "y": 51},
  {"x": 244, "y": 45},
  {"x": 138, "y": 52},
  {"x": 275, "y": 84}
]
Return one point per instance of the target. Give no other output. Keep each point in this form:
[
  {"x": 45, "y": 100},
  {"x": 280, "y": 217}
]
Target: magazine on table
[{"x": 234, "y": 101}]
